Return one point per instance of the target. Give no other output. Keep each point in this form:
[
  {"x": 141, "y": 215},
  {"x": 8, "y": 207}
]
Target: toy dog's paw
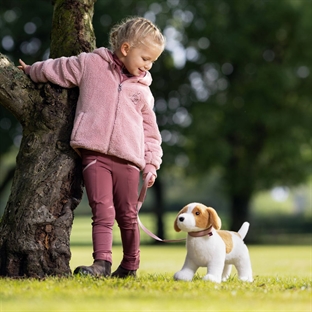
[
  {"x": 183, "y": 276},
  {"x": 246, "y": 278},
  {"x": 212, "y": 278}
]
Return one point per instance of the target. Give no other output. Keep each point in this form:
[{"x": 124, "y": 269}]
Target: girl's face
[{"x": 140, "y": 58}]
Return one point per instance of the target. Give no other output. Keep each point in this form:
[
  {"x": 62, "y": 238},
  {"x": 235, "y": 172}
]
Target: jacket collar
[{"x": 110, "y": 57}]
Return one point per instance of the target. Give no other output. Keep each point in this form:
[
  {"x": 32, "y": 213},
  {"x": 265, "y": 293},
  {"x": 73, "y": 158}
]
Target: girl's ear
[
  {"x": 214, "y": 218},
  {"x": 124, "y": 49}
]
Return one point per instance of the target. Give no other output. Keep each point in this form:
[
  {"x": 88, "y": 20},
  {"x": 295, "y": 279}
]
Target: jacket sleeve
[
  {"x": 153, "y": 150},
  {"x": 65, "y": 71}
]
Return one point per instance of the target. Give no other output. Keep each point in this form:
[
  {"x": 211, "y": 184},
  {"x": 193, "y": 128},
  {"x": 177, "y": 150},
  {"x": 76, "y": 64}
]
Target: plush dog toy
[{"x": 209, "y": 247}]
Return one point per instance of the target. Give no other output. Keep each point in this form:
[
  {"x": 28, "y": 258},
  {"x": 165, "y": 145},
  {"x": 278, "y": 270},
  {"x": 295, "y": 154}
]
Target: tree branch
[{"x": 15, "y": 90}]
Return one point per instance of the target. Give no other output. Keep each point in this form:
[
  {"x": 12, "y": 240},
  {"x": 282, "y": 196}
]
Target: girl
[{"x": 115, "y": 133}]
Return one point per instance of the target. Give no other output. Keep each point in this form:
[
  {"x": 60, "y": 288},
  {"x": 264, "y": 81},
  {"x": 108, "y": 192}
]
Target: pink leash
[{"x": 139, "y": 205}]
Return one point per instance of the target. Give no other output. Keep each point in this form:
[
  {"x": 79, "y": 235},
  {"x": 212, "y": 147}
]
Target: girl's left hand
[
  {"x": 151, "y": 180},
  {"x": 23, "y": 66}
]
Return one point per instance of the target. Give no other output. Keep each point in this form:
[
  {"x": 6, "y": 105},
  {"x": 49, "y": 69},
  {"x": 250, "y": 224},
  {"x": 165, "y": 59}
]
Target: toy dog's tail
[{"x": 243, "y": 230}]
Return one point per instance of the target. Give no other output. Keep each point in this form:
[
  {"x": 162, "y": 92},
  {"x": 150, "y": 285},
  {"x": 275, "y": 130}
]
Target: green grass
[
  {"x": 282, "y": 282},
  {"x": 152, "y": 292}
]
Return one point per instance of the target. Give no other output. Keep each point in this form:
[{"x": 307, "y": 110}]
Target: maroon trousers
[{"x": 112, "y": 188}]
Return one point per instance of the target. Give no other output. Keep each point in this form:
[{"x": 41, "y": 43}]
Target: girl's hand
[
  {"x": 23, "y": 66},
  {"x": 151, "y": 180}
]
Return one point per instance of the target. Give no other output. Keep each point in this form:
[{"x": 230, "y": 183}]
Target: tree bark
[
  {"x": 47, "y": 185},
  {"x": 78, "y": 35}
]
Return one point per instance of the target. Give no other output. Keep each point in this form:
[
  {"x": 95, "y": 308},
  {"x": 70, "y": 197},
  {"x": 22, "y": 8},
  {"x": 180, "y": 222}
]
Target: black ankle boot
[
  {"x": 123, "y": 273},
  {"x": 97, "y": 269}
]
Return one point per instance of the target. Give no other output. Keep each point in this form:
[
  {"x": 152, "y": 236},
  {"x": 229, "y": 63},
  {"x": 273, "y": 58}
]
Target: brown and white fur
[{"x": 209, "y": 247}]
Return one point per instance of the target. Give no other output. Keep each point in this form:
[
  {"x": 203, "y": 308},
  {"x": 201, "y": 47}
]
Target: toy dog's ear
[
  {"x": 175, "y": 225},
  {"x": 214, "y": 218}
]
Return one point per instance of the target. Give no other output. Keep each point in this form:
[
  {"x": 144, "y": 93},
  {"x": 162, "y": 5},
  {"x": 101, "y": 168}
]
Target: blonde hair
[{"x": 135, "y": 31}]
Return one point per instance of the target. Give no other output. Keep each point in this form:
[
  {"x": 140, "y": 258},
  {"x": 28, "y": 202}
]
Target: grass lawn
[{"x": 282, "y": 282}]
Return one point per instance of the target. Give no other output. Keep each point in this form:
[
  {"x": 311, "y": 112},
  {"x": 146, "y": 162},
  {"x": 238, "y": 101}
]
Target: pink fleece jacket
[{"x": 114, "y": 112}]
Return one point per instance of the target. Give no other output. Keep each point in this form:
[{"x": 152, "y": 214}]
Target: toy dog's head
[{"x": 196, "y": 217}]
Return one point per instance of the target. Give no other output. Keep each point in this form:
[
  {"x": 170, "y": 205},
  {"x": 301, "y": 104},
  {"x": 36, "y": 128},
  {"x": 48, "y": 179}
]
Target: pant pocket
[{"x": 89, "y": 165}]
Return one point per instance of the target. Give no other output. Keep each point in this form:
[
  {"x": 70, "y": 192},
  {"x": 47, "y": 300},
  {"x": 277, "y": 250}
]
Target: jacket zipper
[{"x": 119, "y": 90}]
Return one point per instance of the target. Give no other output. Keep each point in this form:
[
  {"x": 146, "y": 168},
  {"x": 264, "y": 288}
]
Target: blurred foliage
[
  {"x": 24, "y": 33},
  {"x": 232, "y": 89}
]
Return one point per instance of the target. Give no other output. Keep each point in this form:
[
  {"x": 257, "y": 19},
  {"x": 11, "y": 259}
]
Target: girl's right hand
[
  {"x": 151, "y": 180},
  {"x": 23, "y": 66}
]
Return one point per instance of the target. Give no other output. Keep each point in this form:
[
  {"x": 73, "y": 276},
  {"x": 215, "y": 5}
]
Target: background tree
[
  {"x": 35, "y": 228},
  {"x": 252, "y": 107}
]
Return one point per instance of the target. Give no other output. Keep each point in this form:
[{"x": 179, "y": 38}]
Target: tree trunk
[
  {"x": 240, "y": 182},
  {"x": 159, "y": 208},
  {"x": 78, "y": 34},
  {"x": 35, "y": 228},
  {"x": 47, "y": 185},
  {"x": 239, "y": 210}
]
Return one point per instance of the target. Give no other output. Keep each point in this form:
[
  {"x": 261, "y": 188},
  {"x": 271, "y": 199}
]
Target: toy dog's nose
[{"x": 181, "y": 219}]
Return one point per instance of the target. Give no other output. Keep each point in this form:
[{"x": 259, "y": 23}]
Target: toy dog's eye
[{"x": 197, "y": 213}]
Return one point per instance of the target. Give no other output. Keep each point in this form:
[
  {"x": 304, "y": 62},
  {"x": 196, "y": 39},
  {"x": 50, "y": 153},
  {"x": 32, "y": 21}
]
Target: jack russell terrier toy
[{"x": 208, "y": 246}]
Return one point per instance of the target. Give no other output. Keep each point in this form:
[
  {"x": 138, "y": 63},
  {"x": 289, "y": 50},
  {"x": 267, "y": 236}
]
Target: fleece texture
[{"x": 114, "y": 112}]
